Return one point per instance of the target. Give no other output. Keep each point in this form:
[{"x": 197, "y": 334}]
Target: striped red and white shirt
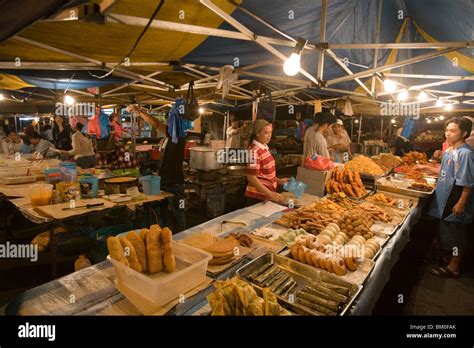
[{"x": 261, "y": 164}]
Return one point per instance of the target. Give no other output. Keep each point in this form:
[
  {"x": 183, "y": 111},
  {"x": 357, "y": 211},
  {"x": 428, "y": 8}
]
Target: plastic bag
[
  {"x": 318, "y": 163},
  {"x": 294, "y": 186}
]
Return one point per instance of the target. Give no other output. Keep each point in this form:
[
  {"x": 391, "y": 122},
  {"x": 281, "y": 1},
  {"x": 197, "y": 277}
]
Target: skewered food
[
  {"x": 364, "y": 165},
  {"x": 308, "y": 219},
  {"x": 377, "y": 213}
]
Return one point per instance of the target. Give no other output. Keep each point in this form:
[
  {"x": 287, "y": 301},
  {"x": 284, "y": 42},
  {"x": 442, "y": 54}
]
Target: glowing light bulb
[
  {"x": 389, "y": 85},
  {"x": 441, "y": 117},
  {"x": 448, "y": 107},
  {"x": 68, "y": 100},
  {"x": 439, "y": 103},
  {"x": 403, "y": 95},
  {"x": 393, "y": 120},
  {"x": 428, "y": 121},
  {"x": 422, "y": 96},
  {"x": 201, "y": 110},
  {"x": 292, "y": 65},
  {"x": 2, "y": 97}
]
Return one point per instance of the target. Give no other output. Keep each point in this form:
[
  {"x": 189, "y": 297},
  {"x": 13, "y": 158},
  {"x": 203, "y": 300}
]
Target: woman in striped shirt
[{"x": 261, "y": 171}]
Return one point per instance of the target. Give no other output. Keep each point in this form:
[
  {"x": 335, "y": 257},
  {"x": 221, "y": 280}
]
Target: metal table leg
[{"x": 52, "y": 247}]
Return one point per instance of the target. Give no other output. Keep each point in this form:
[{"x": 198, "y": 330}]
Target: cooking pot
[
  {"x": 204, "y": 158},
  {"x": 237, "y": 170}
]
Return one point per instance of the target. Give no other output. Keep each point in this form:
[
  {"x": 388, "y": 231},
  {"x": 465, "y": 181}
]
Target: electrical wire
[{"x": 136, "y": 42}]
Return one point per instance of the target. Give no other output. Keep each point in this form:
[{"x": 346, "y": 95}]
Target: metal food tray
[
  {"x": 303, "y": 274},
  {"x": 403, "y": 190}
]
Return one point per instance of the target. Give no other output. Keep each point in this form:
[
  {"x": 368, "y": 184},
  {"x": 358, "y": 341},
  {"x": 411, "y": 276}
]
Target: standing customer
[
  {"x": 314, "y": 141},
  {"x": 233, "y": 135},
  {"x": 261, "y": 171},
  {"x": 453, "y": 202},
  {"x": 12, "y": 143},
  {"x": 171, "y": 168},
  {"x": 61, "y": 134},
  {"x": 338, "y": 142},
  {"x": 82, "y": 149}
]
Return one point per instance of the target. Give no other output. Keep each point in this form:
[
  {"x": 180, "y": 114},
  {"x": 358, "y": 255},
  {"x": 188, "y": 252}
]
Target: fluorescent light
[
  {"x": 292, "y": 65},
  {"x": 68, "y": 100},
  {"x": 403, "y": 95},
  {"x": 389, "y": 85},
  {"x": 448, "y": 107},
  {"x": 439, "y": 103},
  {"x": 422, "y": 96}
]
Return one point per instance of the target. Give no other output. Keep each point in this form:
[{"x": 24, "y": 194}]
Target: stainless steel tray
[
  {"x": 400, "y": 186},
  {"x": 304, "y": 275}
]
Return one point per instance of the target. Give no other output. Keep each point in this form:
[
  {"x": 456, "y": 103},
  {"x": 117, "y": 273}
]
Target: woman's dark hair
[
  {"x": 35, "y": 135},
  {"x": 464, "y": 124},
  {"x": 324, "y": 118},
  {"x": 79, "y": 126},
  {"x": 112, "y": 115},
  {"x": 10, "y": 131}
]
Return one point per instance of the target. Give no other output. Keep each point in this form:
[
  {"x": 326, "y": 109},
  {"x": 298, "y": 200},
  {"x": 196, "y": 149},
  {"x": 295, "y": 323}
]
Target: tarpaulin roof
[{"x": 348, "y": 22}]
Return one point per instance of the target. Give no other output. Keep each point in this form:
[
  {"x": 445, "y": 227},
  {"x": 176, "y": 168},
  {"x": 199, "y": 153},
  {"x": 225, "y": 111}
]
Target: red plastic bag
[{"x": 320, "y": 163}]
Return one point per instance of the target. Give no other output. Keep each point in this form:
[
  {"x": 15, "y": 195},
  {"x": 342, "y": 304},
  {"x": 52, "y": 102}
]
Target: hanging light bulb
[
  {"x": 393, "y": 120},
  {"x": 428, "y": 120},
  {"x": 293, "y": 64},
  {"x": 389, "y": 85},
  {"x": 356, "y": 121},
  {"x": 403, "y": 95},
  {"x": 439, "y": 103},
  {"x": 422, "y": 96},
  {"x": 441, "y": 117},
  {"x": 1, "y": 96},
  {"x": 201, "y": 110},
  {"x": 436, "y": 119},
  {"x": 448, "y": 107},
  {"x": 68, "y": 100}
]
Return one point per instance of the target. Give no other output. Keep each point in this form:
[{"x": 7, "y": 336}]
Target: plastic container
[
  {"x": 49, "y": 171},
  {"x": 161, "y": 288},
  {"x": 53, "y": 178},
  {"x": 88, "y": 186},
  {"x": 68, "y": 171},
  {"x": 151, "y": 184},
  {"x": 41, "y": 194}
]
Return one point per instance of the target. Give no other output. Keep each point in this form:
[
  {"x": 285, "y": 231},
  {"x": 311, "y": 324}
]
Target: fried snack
[
  {"x": 365, "y": 165},
  {"x": 345, "y": 181},
  {"x": 376, "y": 212},
  {"x": 143, "y": 233},
  {"x": 356, "y": 222},
  {"x": 116, "y": 250},
  {"x": 139, "y": 248},
  {"x": 412, "y": 157},
  {"x": 169, "y": 262},
  {"x": 271, "y": 306},
  {"x": 154, "y": 251},
  {"x": 131, "y": 254}
]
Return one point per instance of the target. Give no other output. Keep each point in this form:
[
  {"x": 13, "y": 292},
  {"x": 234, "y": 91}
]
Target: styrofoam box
[{"x": 161, "y": 288}]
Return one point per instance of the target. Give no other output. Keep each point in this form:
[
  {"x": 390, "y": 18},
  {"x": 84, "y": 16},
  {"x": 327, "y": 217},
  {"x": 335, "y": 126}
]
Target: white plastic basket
[{"x": 161, "y": 288}]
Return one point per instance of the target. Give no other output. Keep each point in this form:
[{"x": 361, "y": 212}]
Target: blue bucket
[
  {"x": 89, "y": 185},
  {"x": 151, "y": 184}
]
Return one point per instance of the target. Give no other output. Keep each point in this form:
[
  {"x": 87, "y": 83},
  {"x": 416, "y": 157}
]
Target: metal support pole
[
  {"x": 381, "y": 128},
  {"x": 377, "y": 40},
  {"x": 360, "y": 128},
  {"x": 322, "y": 38}
]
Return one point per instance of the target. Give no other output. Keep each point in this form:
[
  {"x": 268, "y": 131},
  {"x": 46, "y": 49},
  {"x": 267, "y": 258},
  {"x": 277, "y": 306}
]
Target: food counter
[{"x": 95, "y": 291}]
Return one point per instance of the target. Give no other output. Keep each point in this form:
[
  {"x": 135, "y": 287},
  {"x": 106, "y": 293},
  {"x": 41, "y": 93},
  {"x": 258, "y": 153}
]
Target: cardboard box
[{"x": 316, "y": 180}]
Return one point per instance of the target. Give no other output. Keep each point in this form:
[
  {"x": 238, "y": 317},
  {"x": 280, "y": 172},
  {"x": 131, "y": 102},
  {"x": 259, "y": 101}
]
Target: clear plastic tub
[{"x": 161, "y": 288}]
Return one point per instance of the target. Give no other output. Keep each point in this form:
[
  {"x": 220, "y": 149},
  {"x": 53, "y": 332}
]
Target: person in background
[
  {"x": 453, "y": 201},
  {"x": 119, "y": 131},
  {"x": 82, "y": 148},
  {"x": 314, "y": 141},
  {"x": 470, "y": 139},
  {"x": 47, "y": 132},
  {"x": 261, "y": 170},
  {"x": 338, "y": 142},
  {"x": 31, "y": 128},
  {"x": 39, "y": 145},
  {"x": 233, "y": 135},
  {"x": 61, "y": 134},
  {"x": 12, "y": 143},
  {"x": 171, "y": 167},
  {"x": 402, "y": 144}
]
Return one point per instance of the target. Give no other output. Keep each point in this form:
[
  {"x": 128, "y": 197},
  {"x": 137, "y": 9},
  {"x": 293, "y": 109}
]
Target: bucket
[
  {"x": 88, "y": 185},
  {"x": 151, "y": 184}
]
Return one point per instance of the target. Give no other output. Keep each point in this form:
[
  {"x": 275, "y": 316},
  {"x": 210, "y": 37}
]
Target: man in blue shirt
[{"x": 453, "y": 202}]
